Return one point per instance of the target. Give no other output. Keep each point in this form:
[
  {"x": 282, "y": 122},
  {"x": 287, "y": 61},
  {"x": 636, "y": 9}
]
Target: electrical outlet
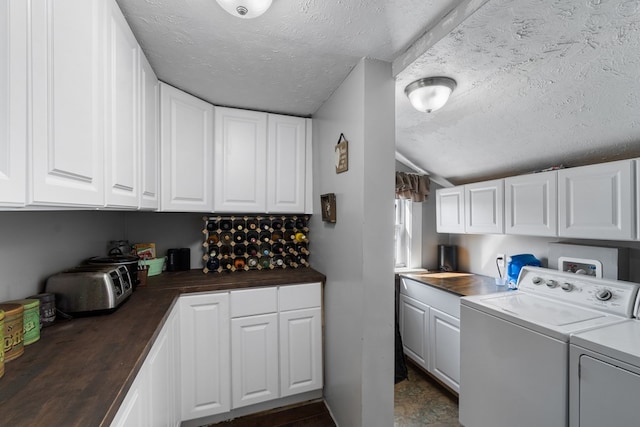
[{"x": 501, "y": 260}]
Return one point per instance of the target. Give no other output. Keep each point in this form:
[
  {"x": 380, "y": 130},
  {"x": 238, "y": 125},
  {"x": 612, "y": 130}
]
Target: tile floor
[{"x": 420, "y": 401}]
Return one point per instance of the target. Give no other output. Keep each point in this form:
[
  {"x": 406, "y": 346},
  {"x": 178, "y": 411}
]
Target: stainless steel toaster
[{"x": 90, "y": 288}]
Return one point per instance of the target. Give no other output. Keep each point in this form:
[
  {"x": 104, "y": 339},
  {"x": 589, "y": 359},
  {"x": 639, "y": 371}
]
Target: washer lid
[{"x": 543, "y": 315}]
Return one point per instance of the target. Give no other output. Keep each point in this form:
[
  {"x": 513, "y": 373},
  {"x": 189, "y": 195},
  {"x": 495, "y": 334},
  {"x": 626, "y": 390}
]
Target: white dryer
[
  {"x": 604, "y": 376},
  {"x": 514, "y": 346}
]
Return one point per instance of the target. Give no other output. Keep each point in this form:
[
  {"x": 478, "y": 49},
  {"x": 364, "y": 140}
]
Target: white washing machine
[
  {"x": 604, "y": 376},
  {"x": 514, "y": 346}
]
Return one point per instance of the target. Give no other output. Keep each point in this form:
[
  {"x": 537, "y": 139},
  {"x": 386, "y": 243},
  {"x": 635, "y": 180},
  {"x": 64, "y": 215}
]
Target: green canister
[
  {"x": 13, "y": 330},
  {"x": 2, "y": 341},
  {"x": 31, "y": 319}
]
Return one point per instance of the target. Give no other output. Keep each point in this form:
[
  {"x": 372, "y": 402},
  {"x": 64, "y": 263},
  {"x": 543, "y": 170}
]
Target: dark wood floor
[{"x": 313, "y": 414}]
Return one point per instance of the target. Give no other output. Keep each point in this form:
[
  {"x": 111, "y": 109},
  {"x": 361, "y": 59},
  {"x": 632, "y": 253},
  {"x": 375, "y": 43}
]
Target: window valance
[{"x": 412, "y": 186}]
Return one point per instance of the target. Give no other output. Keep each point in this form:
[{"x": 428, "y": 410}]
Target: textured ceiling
[
  {"x": 540, "y": 82},
  {"x": 289, "y": 60}
]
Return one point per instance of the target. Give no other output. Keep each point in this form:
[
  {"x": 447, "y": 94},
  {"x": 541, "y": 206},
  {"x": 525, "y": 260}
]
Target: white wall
[
  {"x": 35, "y": 245},
  {"x": 356, "y": 253},
  {"x": 477, "y": 253}
]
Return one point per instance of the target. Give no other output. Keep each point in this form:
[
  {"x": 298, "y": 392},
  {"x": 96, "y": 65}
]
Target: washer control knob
[
  {"x": 604, "y": 294},
  {"x": 552, "y": 283},
  {"x": 566, "y": 286},
  {"x": 537, "y": 280}
]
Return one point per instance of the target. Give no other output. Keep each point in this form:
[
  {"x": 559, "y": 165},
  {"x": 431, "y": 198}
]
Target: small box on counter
[{"x": 145, "y": 250}]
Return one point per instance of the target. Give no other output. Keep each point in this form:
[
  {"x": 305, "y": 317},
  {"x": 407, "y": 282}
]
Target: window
[{"x": 403, "y": 233}]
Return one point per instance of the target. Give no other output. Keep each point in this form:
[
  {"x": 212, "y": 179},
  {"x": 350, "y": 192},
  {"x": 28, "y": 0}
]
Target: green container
[
  {"x": 31, "y": 319},
  {"x": 1, "y": 341}
]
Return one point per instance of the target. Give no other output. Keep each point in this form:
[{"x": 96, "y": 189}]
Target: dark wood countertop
[
  {"x": 80, "y": 370},
  {"x": 463, "y": 284}
]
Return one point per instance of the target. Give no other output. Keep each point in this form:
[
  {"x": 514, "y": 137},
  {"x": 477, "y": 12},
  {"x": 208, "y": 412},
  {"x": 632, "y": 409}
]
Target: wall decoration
[
  {"x": 328, "y": 204},
  {"x": 342, "y": 154}
]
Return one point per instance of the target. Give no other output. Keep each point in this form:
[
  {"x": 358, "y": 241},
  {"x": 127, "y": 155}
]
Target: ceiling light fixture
[
  {"x": 245, "y": 8},
  {"x": 430, "y": 93}
]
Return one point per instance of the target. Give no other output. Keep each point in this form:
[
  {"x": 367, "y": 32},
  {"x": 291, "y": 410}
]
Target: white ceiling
[{"x": 540, "y": 82}]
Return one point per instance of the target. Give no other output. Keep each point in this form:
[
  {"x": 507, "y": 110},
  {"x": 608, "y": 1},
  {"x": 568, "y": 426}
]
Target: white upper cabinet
[
  {"x": 260, "y": 162},
  {"x": 149, "y": 136},
  {"x": 595, "y": 202},
  {"x": 122, "y": 144},
  {"x": 484, "y": 207},
  {"x": 186, "y": 139},
  {"x": 67, "y": 151},
  {"x": 13, "y": 102},
  {"x": 240, "y": 160},
  {"x": 286, "y": 160},
  {"x": 450, "y": 210},
  {"x": 531, "y": 204}
]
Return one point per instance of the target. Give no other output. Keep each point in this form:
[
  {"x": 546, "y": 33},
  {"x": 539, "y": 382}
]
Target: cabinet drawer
[
  {"x": 249, "y": 302},
  {"x": 296, "y": 297},
  {"x": 442, "y": 300}
]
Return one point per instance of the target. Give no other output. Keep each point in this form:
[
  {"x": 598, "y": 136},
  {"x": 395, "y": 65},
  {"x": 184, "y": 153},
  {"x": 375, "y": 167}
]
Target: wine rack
[{"x": 242, "y": 243}]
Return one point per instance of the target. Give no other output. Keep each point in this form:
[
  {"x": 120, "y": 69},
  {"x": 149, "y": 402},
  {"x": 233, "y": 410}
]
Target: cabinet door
[
  {"x": 186, "y": 139},
  {"x": 484, "y": 207},
  {"x": 149, "y": 135},
  {"x": 254, "y": 351},
  {"x": 414, "y": 329},
  {"x": 204, "y": 355},
  {"x": 240, "y": 157},
  {"x": 286, "y": 164},
  {"x": 595, "y": 201},
  {"x": 444, "y": 348},
  {"x": 450, "y": 210},
  {"x": 13, "y": 102},
  {"x": 67, "y": 151},
  {"x": 134, "y": 409},
  {"x": 122, "y": 145},
  {"x": 162, "y": 365},
  {"x": 300, "y": 351},
  {"x": 531, "y": 204}
]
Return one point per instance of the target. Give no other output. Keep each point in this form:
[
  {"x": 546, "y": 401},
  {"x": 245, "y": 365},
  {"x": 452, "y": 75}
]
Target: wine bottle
[
  {"x": 226, "y": 225},
  {"x": 265, "y": 236},
  {"x": 213, "y": 239},
  {"x": 253, "y": 236},
  {"x": 239, "y": 263},
  {"x": 302, "y": 248},
  {"x": 290, "y": 248},
  {"x": 252, "y": 249},
  {"x": 226, "y": 264},
  {"x": 276, "y": 236},
  {"x": 239, "y": 225},
  {"x": 252, "y": 262},
  {"x": 239, "y": 236},
  {"x": 278, "y": 261},
  {"x": 289, "y": 224},
  {"x": 265, "y": 249},
  {"x": 289, "y": 261},
  {"x": 265, "y": 225},
  {"x": 213, "y": 251},
  {"x": 226, "y": 237},
  {"x": 276, "y": 224},
  {"x": 264, "y": 262},
  {"x": 252, "y": 224},
  {"x": 225, "y": 250},
  {"x": 213, "y": 263},
  {"x": 300, "y": 237},
  {"x": 239, "y": 250},
  {"x": 212, "y": 226},
  {"x": 277, "y": 248}
]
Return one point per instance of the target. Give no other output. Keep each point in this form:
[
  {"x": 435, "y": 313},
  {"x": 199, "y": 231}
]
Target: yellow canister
[
  {"x": 31, "y": 319},
  {"x": 13, "y": 330},
  {"x": 2, "y": 341}
]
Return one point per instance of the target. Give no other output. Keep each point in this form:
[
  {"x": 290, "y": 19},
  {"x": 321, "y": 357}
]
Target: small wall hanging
[
  {"x": 342, "y": 154},
  {"x": 328, "y": 204}
]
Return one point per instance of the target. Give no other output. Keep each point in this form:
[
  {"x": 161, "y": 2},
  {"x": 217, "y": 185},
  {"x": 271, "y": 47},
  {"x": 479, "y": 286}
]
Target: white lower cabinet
[
  {"x": 204, "y": 355},
  {"x": 414, "y": 329},
  {"x": 153, "y": 399},
  {"x": 219, "y": 351},
  {"x": 254, "y": 346},
  {"x": 430, "y": 329},
  {"x": 445, "y": 347}
]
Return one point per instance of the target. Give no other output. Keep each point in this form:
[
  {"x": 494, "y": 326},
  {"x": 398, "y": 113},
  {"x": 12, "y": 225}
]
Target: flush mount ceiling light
[
  {"x": 245, "y": 8},
  {"x": 430, "y": 93}
]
